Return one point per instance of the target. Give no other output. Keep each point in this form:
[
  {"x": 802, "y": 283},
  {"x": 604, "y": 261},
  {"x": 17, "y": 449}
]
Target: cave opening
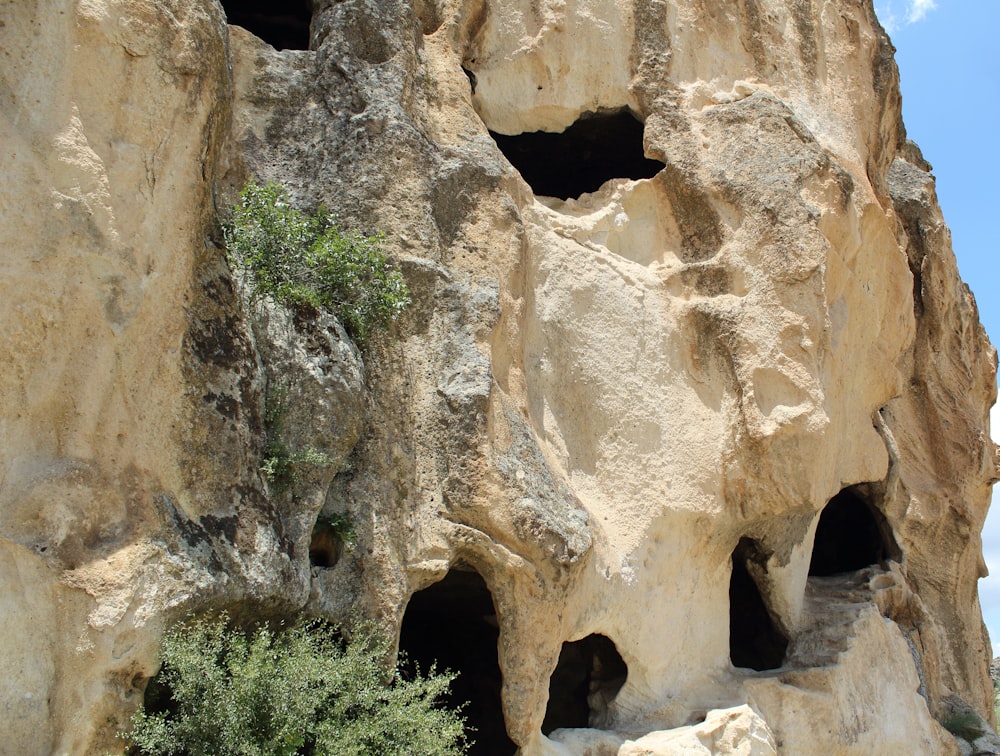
[
  {"x": 587, "y": 677},
  {"x": 598, "y": 147},
  {"x": 453, "y": 623},
  {"x": 851, "y": 534},
  {"x": 324, "y": 548},
  {"x": 755, "y": 639},
  {"x": 283, "y": 25}
]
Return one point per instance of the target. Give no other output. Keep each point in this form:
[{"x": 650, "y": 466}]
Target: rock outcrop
[{"x": 708, "y": 429}]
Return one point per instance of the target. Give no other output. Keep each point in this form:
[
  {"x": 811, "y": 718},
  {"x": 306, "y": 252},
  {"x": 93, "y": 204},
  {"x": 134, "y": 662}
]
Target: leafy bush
[
  {"x": 299, "y": 690},
  {"x": 995, "y": 678},
  {"x": 308, "y": 261},
  {"x": 966, "y": 725},
  {"x": 338, "y": 525}
]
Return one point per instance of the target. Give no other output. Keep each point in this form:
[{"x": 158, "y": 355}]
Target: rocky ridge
[{"x": 671, "y": 412}]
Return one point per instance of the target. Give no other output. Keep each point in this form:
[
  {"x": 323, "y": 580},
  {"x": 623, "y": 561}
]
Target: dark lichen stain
[
  {"x": 216, "y": 342},
  {"x": 701, "y": 230},
  {"x": 224, "y": 404},
  {"x": 706, "y": 281},
  {"x": 221, "y": 527}
]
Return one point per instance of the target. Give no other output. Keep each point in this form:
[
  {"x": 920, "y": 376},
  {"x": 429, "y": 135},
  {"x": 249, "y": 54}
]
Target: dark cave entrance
[
  {"x": 587, "y": 677},
  {"x": 596, "y": 148},
  {"x": 852, "y": 533},
  {"x": 324, "y": 548},
  {"x": 755, "y": 639},
  {"x": 454, "y": 624},
  {"x": 282, "y": 24}
]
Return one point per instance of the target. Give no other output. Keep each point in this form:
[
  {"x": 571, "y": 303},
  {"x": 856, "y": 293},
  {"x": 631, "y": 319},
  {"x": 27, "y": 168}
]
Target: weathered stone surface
[
  {"x": 132, "y": 399},
  {"x": 739, "y": 730},
  {"x": 591, "y": 402}
]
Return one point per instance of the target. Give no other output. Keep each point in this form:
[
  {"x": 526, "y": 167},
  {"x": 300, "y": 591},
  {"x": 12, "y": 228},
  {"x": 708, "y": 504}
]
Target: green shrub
[
  {"x": 308, "y": 261},
  {"x": 966, "y": 725},
  {"x": 338, "y": 525},
  {"x": 299, "y": 690}
]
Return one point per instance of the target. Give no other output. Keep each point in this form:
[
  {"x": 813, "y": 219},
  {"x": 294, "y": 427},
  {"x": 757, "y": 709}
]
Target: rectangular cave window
[
  {"x": 598, "y": 147},
  {"x": 756, "y": 641},
  {"x": 453, "y": 623},
  {"x": 282, "y": 24}
]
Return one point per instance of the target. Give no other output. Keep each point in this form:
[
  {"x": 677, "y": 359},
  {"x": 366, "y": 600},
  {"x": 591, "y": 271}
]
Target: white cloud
[
  {"x": 887, "y": 16},
  {"x": 919, "y": 9},
  {"x": 893, "y": 17}
]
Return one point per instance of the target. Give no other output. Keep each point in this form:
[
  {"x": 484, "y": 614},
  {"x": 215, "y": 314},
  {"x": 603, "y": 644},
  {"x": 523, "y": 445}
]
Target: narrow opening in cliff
[
  {"x": 454, "y": 624},
  {"x": 596, "y": 148},
  {"x": 283, "y": 25},
  {"x": 324, "y": 548},
  {"x": 755, "y": 639},
  {"x": 587, "y": 677},
  {"x": 852, "y": 533}
]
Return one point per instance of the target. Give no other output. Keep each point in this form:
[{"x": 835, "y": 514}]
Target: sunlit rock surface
[{"x": 626, "y": 407}]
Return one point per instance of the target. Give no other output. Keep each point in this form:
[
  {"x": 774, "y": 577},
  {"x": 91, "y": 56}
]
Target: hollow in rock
[
  {"x": 453, "y": 623},
  {"x": 587, "y": 677},
  {"x": 852, "y": 533},
  {"x": 283, "y": 25},
  {"x": 756, "y": 641},
  {"x": 595, "y": 149}
]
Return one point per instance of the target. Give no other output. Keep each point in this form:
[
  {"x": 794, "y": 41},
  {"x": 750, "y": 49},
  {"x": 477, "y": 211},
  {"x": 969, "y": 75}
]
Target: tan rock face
[{"x": 626, "y": 410}]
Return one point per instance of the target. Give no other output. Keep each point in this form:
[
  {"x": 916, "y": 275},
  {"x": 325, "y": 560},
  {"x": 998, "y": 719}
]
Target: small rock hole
[
  {"x": 587, "y": 677},
  {"x": 324, "y": 548},
  {"x": 755, "y": 639},
  {"x": 595, "y": 149},
  {"x": 283, "y": 25},
  {"x": 453, "y": 623},
  {"x": 852, "y": 533}
]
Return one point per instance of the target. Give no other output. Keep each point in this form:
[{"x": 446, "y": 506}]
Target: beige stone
[
  {"x": 590, "y": 401},
  {"x": 739, "y": 730}
]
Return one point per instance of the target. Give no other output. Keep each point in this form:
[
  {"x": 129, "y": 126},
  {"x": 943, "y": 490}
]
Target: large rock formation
[{"x": 707, "y": 431}]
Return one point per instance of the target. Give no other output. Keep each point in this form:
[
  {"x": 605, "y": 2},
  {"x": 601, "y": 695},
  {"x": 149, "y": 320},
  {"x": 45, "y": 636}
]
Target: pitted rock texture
[{"x": 598, "y": 404}]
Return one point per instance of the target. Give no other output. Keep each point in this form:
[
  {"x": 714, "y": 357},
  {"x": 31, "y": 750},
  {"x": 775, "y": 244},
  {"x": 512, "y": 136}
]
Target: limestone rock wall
[{"x": 591, "y": 402}]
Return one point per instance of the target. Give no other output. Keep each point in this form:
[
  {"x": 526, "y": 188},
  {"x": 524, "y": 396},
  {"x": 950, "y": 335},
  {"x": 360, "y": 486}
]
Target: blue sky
[{"x": 949, "y": 67}]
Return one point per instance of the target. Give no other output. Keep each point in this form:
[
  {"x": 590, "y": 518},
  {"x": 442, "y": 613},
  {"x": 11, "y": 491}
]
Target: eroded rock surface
[{"x": 626, "y": 410}]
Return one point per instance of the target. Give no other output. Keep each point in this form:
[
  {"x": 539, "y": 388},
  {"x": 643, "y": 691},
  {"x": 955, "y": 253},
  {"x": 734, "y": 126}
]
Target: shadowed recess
[
  {"x": 755, "y": 640},
  {"x": 282, "y": 24},
  {"x": 587, "y": 677},
  {"x": 453, "y": 623},
  {"x": 324, "y": 548},
  {"x": 851, "y": 534},
  {"x": 595, "y": 149}
]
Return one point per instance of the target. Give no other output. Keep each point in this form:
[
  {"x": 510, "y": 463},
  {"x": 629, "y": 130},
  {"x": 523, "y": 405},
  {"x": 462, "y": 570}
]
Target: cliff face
[{"x": 709, "y": 431}]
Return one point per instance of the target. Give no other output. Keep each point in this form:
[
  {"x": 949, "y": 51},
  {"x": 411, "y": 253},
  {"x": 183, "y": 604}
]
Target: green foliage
[
  {"x": 966, "y": 726},
  {"x": 996, "y": 701},
  {"x": 338, "y": 524},
  {"x": 280, "y": 465},
  {"x": 298, "y": 690},
  {"x": 308, "y": 261}
]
